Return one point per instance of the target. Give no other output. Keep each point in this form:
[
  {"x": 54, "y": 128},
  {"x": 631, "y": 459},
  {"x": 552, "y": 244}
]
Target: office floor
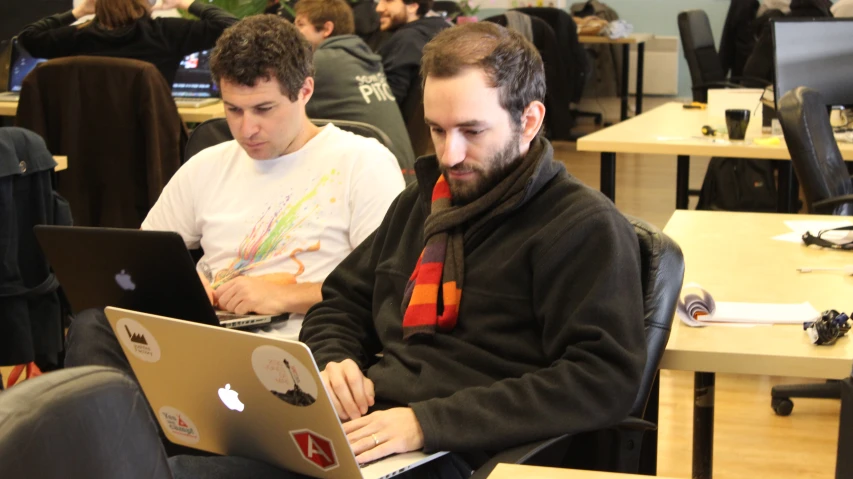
[{"x": 751, "y": 442}]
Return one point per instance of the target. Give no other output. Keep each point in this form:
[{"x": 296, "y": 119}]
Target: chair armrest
[
  {"x": 516, "y": 455},
  {"x": 636, "y": 424},
  {"x": 838, "y": 200}
]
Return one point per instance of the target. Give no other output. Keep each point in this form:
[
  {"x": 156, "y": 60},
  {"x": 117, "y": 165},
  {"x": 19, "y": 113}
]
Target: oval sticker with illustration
[
  {"x": 178, "y": 425},
  {"x": 284, "y": 376},
  {"x": 138, "y": 340}
]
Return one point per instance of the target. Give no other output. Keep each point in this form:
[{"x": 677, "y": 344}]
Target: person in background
[
  {"x": 349, "y": 82},
  {"x": 401, "y": 54},
  {"x": 125, "y": 29}
]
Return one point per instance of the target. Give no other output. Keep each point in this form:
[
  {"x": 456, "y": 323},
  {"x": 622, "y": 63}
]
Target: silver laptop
[
  {"x": 242, "y": 394},
  {"x": 193, "y": 86},
  {"x": 20, "y": 65}
]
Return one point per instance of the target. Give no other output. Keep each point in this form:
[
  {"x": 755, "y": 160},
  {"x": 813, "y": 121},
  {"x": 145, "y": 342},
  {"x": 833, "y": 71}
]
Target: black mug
[{"x": 736, "y": 122}]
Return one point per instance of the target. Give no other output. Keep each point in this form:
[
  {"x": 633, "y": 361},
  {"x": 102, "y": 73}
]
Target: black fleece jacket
[
  {"x": 549, "y": 338},
  {"x": 401, "y": 54},
  {"x": 161, "y": 41}
]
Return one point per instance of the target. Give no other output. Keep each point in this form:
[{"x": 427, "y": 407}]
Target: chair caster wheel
[{"x": 782, "y": 406}]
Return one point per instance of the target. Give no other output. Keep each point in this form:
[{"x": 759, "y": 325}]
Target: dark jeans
[
  {"x": 449, "y": 466},
  {"x": 91, "y": 342}
]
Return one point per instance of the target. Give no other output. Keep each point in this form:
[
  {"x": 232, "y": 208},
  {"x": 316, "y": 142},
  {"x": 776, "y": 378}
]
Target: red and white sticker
[
  {"x": 315, "y": 449},
  {"x": 284, "y": 376},
  {"x": 138, "y": 340},
  {"x": 178, "y": 425}
]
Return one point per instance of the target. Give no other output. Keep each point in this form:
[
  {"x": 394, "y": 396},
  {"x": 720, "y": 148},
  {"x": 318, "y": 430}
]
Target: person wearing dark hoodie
[
  {"x": 349, "y": 82},
  {"x": 401, "y": 54},
  {"x": 504, "y": 296},
  {"x": 125, "y": 29}
]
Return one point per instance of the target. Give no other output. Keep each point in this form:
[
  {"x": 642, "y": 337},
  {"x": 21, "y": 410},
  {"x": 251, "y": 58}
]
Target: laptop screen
[
  {"x": 193, "y": 78},
  {"x": 21, "y": 65}
]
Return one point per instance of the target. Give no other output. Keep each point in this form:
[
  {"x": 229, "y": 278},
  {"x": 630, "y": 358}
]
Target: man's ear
[
  {"x": 328, "y": 29},
  {"x": 307, "y": 90},
  {"x": 531, "y": 121},
  {"x": 412, "y": 10}
]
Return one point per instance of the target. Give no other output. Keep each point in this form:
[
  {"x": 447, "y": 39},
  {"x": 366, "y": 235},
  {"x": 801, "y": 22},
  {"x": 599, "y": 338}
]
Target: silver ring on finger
[{"x": 375, "y": 440}]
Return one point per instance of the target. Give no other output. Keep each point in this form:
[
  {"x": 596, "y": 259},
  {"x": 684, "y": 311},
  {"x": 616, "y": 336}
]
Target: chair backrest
[
  {"x": 738, "y": 38},
  {"x": 817, "y": 161},
  {"x": 450, "y": 8},
  {"x": 86, "y": 422},
  {"x": 697, "y": 42},
  {"x": 116, "y": 121},
  {"x": 215, "y": 131},
  {"x": 662, "y": 269},
  {"x": 30, "y": 306}
]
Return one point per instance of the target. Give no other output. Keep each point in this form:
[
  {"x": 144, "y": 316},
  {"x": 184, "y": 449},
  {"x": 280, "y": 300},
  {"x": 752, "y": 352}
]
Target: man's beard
[
  {"x": 396, "y": 21},
  {"x": 496, "y": 168}
]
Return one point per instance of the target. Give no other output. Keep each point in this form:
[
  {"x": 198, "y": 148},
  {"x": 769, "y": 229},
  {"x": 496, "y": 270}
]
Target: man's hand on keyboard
[
  {"x": 351, "y": 392},
  {"x": 383, "y": 433}
]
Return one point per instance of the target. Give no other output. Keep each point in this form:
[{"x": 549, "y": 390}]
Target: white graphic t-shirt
[{"x": 291, "y": 219}]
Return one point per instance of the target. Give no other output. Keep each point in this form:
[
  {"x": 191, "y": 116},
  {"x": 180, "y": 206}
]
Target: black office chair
[
  {"x": 88, "y": 422},
  {"x": 577, "y": 60},
  {"x": 215, "y": 131},
  {"x": 817, "y": 161},
  {"x": 662, "y": 269},
  {"x": 738, "y": 37},
  {"x": 828, "y": 190},
  {"x": 451, "y": 10},
  {"x": 706, "y": 71}
]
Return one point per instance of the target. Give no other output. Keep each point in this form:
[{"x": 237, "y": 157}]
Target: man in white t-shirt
[{"x": 275, "y": 209}]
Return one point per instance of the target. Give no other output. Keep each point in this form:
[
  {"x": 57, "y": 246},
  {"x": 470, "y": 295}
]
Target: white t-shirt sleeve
[
  {"x": 375, "y": 182},
  {"x": 175, "y": 208}
]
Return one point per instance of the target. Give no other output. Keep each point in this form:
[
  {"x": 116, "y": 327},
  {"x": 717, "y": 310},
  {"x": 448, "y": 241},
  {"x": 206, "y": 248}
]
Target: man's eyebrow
[
  {"x": 463, "y": 124},
  {"x": 259, "y": 105}
]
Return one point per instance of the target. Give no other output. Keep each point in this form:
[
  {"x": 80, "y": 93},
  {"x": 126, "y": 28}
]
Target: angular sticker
[
  {"x": 284, "y": 376},
  {"x": 178, "y": 425},
  {"x": 315, "y": 448},
  {"x": 138, "y": 340}
]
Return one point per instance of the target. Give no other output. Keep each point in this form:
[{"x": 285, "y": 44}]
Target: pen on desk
[{"x": 848, "y": 269}]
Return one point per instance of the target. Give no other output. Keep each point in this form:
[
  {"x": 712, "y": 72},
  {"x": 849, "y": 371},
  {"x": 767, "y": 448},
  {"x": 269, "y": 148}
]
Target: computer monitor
[
  {"x": 193, "y": 79},
  {"x": 816, "y": 53},
  {"x": 21, "y": 64}
]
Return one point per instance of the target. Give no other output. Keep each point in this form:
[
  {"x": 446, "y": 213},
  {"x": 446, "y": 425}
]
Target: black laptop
[
  {"x": 147, "y": 271},
  {"x": 193, "y": 86},
  {"x": 20, "y": 65}
]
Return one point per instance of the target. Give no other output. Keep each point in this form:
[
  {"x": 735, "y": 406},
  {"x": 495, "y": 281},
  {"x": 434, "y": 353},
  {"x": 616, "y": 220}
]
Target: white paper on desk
[
  {"x": 697, "y": 308},
  {"x": 763, "y": 313},
  {"x": 722, "y": 99},
  {"x": 799, "y": 228}
]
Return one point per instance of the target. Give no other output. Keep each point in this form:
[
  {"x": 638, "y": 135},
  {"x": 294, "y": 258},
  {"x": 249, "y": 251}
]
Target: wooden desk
[
  {"x": 515, "y": 471},
  {"x": 733, "y": 256},
  {"x": 61, "y": 163},
  {"x": 8, "y": 108},
  {"x": 638, "y": 39},
  {"x": 189, "y": 115},
  {"x": 672, "y": 130}
]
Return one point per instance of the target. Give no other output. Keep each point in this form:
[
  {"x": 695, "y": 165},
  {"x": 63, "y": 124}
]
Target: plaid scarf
[{"x": 440, "y": 268}]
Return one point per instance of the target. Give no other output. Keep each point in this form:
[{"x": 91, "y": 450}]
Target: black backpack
[{"x": 737, "y": 184}]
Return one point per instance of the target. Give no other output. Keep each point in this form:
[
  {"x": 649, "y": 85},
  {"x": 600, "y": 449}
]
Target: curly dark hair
[
  {"x": 512, "y": 64},
  {"x": 263, "y": 47}
]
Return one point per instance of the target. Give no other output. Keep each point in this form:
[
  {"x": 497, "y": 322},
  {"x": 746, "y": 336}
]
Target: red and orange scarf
[{"x": 434, "y": 291}]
